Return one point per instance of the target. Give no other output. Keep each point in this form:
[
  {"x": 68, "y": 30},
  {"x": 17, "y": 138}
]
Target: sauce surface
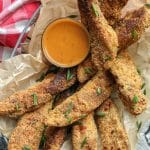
[{"x": 65, "y": 43}]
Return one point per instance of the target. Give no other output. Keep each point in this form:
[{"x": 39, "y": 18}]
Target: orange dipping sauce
[{"x": 65, "y": 42}]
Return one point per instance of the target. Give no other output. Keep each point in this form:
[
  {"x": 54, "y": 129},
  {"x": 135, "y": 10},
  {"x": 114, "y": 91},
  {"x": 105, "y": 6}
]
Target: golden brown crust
[
  {"x": 87, "y": 132},
  {"x": 82, "y": 102},
  {"x": 86, "y": 70},
  {"x": 112, "y": 134},
  {"x": 23, "y": 101},
  {"x": 129, "y": 82},
  {"x": 112, "y": 9},
  {"x": 55, "y": 139},
  {"x": 104, "y": 42},
  {"x": 130, "y": 28},
  {"x": 29, "y": 130}
]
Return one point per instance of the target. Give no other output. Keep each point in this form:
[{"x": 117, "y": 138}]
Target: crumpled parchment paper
[{"x": 21, "y": 71}]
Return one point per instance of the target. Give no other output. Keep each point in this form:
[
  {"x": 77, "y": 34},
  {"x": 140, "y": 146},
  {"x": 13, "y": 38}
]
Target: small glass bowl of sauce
[{"x": 65, "y": 43}]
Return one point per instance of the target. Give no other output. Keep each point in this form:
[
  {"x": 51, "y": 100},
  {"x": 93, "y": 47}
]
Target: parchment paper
[{"x": 22, "y": 71}]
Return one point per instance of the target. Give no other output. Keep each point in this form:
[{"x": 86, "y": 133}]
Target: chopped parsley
[
  {"x": 17, "y": 106},
  {"x": 98, "y": 91},
  {"x": 144, "y": 92},
  {"x": 147, "y": 5},
  {"x": 35, "y": 99},
  {"x": 83, "y": 116},
  {"x": 68, "y": 111},
  {"x": 94, "y": 7},
  {"x": 143, "y": 85},
  {"x": 79, "y": 122},
  {"x": 135, "y": 99},
  {"x": 73, "y": 16},
  {"x": 138, "y": 124},
  {"x": 88, "y": 70},
  {"x": 26, "y": 147},
  {"x": 69, "y": 75},
  {"x": 139, "y": 71},
  {"x": 134, "y": 34},
  {"x": 100, "y": 114},
  {"x": 41, "y": 78},
  {"x": 83, "y": 142}
]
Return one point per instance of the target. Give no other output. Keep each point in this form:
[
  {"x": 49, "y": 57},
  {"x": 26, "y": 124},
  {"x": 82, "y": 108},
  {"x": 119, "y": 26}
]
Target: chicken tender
[
  {"x": 129, "y": 83},
  {"x": 130, "y": 28},
  {"x": 55, "y": 136},
  {"x": 28, "y": 100},
  {"x": 112, "y": 9},
  {"x": 86, "y": 70},
  {"x": 84, "y": 135},
  {"x": 104, "y": 40},
  {"x": 27, "y": 134},
  {"x": 112, "y": 134},
  {"x": 82, "y": 102}
]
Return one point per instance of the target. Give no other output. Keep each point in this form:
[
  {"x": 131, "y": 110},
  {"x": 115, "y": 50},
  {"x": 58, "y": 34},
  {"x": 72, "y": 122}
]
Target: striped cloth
[{"x": 14, "y": 14}]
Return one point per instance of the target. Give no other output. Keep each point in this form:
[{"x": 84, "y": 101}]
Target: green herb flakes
[
  {"x": 83, "y": 116},
  {"x": 139, "y": 71},
  {"x": 94, "y": 7},
  {"x": 147, "y": 5},
  {"x": 68, "y": 111},
  {"x": 17, "y": 106},
  {"x": 26, "y": 147},
  {"x": 143, "y": 85},
  {"x": 138, "y": 124},
  {"x": 79, "y": 122},
  {"x": 41, "y": 78},
  {"x": 98, "y": 91},
  {"x": 100, "y": 114},
  {"x": 88, "y": 70},
  {"x": 144, "y": 92},
  {"x": 134, "y": 34},
  {"x": 69, "y": 75},
  {"x": 35, "y": 99},
  {"x": 135, "y": 99},
  {"x": 83, "y": 142}
]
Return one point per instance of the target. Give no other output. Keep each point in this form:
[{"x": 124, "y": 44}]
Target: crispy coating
[
  {"x": 55, "y": 136},
  {"x": 23, "y": 101},
  {"x": 112, "y": 9},
  {"x": 82, "y": 102},
  {"x": 112, "y": 134},
  {"x": 104, "y": 41},
  {"x": 55, "y": 139},
  {"x": 86, "y": 70},
  {"x": 29, "y": 130},
  {"x": 130, "y": 28},
  {"x": 87, "y": 132},
  {"x": 129, "y": 83}
]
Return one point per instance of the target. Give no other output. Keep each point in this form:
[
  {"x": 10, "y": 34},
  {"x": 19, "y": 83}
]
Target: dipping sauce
[{"x": 65, "y": 42}]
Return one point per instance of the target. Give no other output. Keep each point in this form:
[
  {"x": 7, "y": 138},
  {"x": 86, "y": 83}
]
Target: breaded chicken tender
[
  {"x": 86, "y": 70},
  {"x": 112, "y": 134},
  {"x": 112, "y": 9},
  {"x": 84, "y": 135},
  {"x": 55, "y": 136},
  {"x": 34, "y": 97},
  {"x": 130, "y": 28},
  {"x": 104, "y": 40},
  {"x": 129, "y": 83},
  {"x": 29, "y": 130},
  {"x": 88, "y": 98}
]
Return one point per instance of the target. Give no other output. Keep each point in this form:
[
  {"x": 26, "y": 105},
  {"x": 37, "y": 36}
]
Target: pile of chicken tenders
[{"x": 79, "y": 98}]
